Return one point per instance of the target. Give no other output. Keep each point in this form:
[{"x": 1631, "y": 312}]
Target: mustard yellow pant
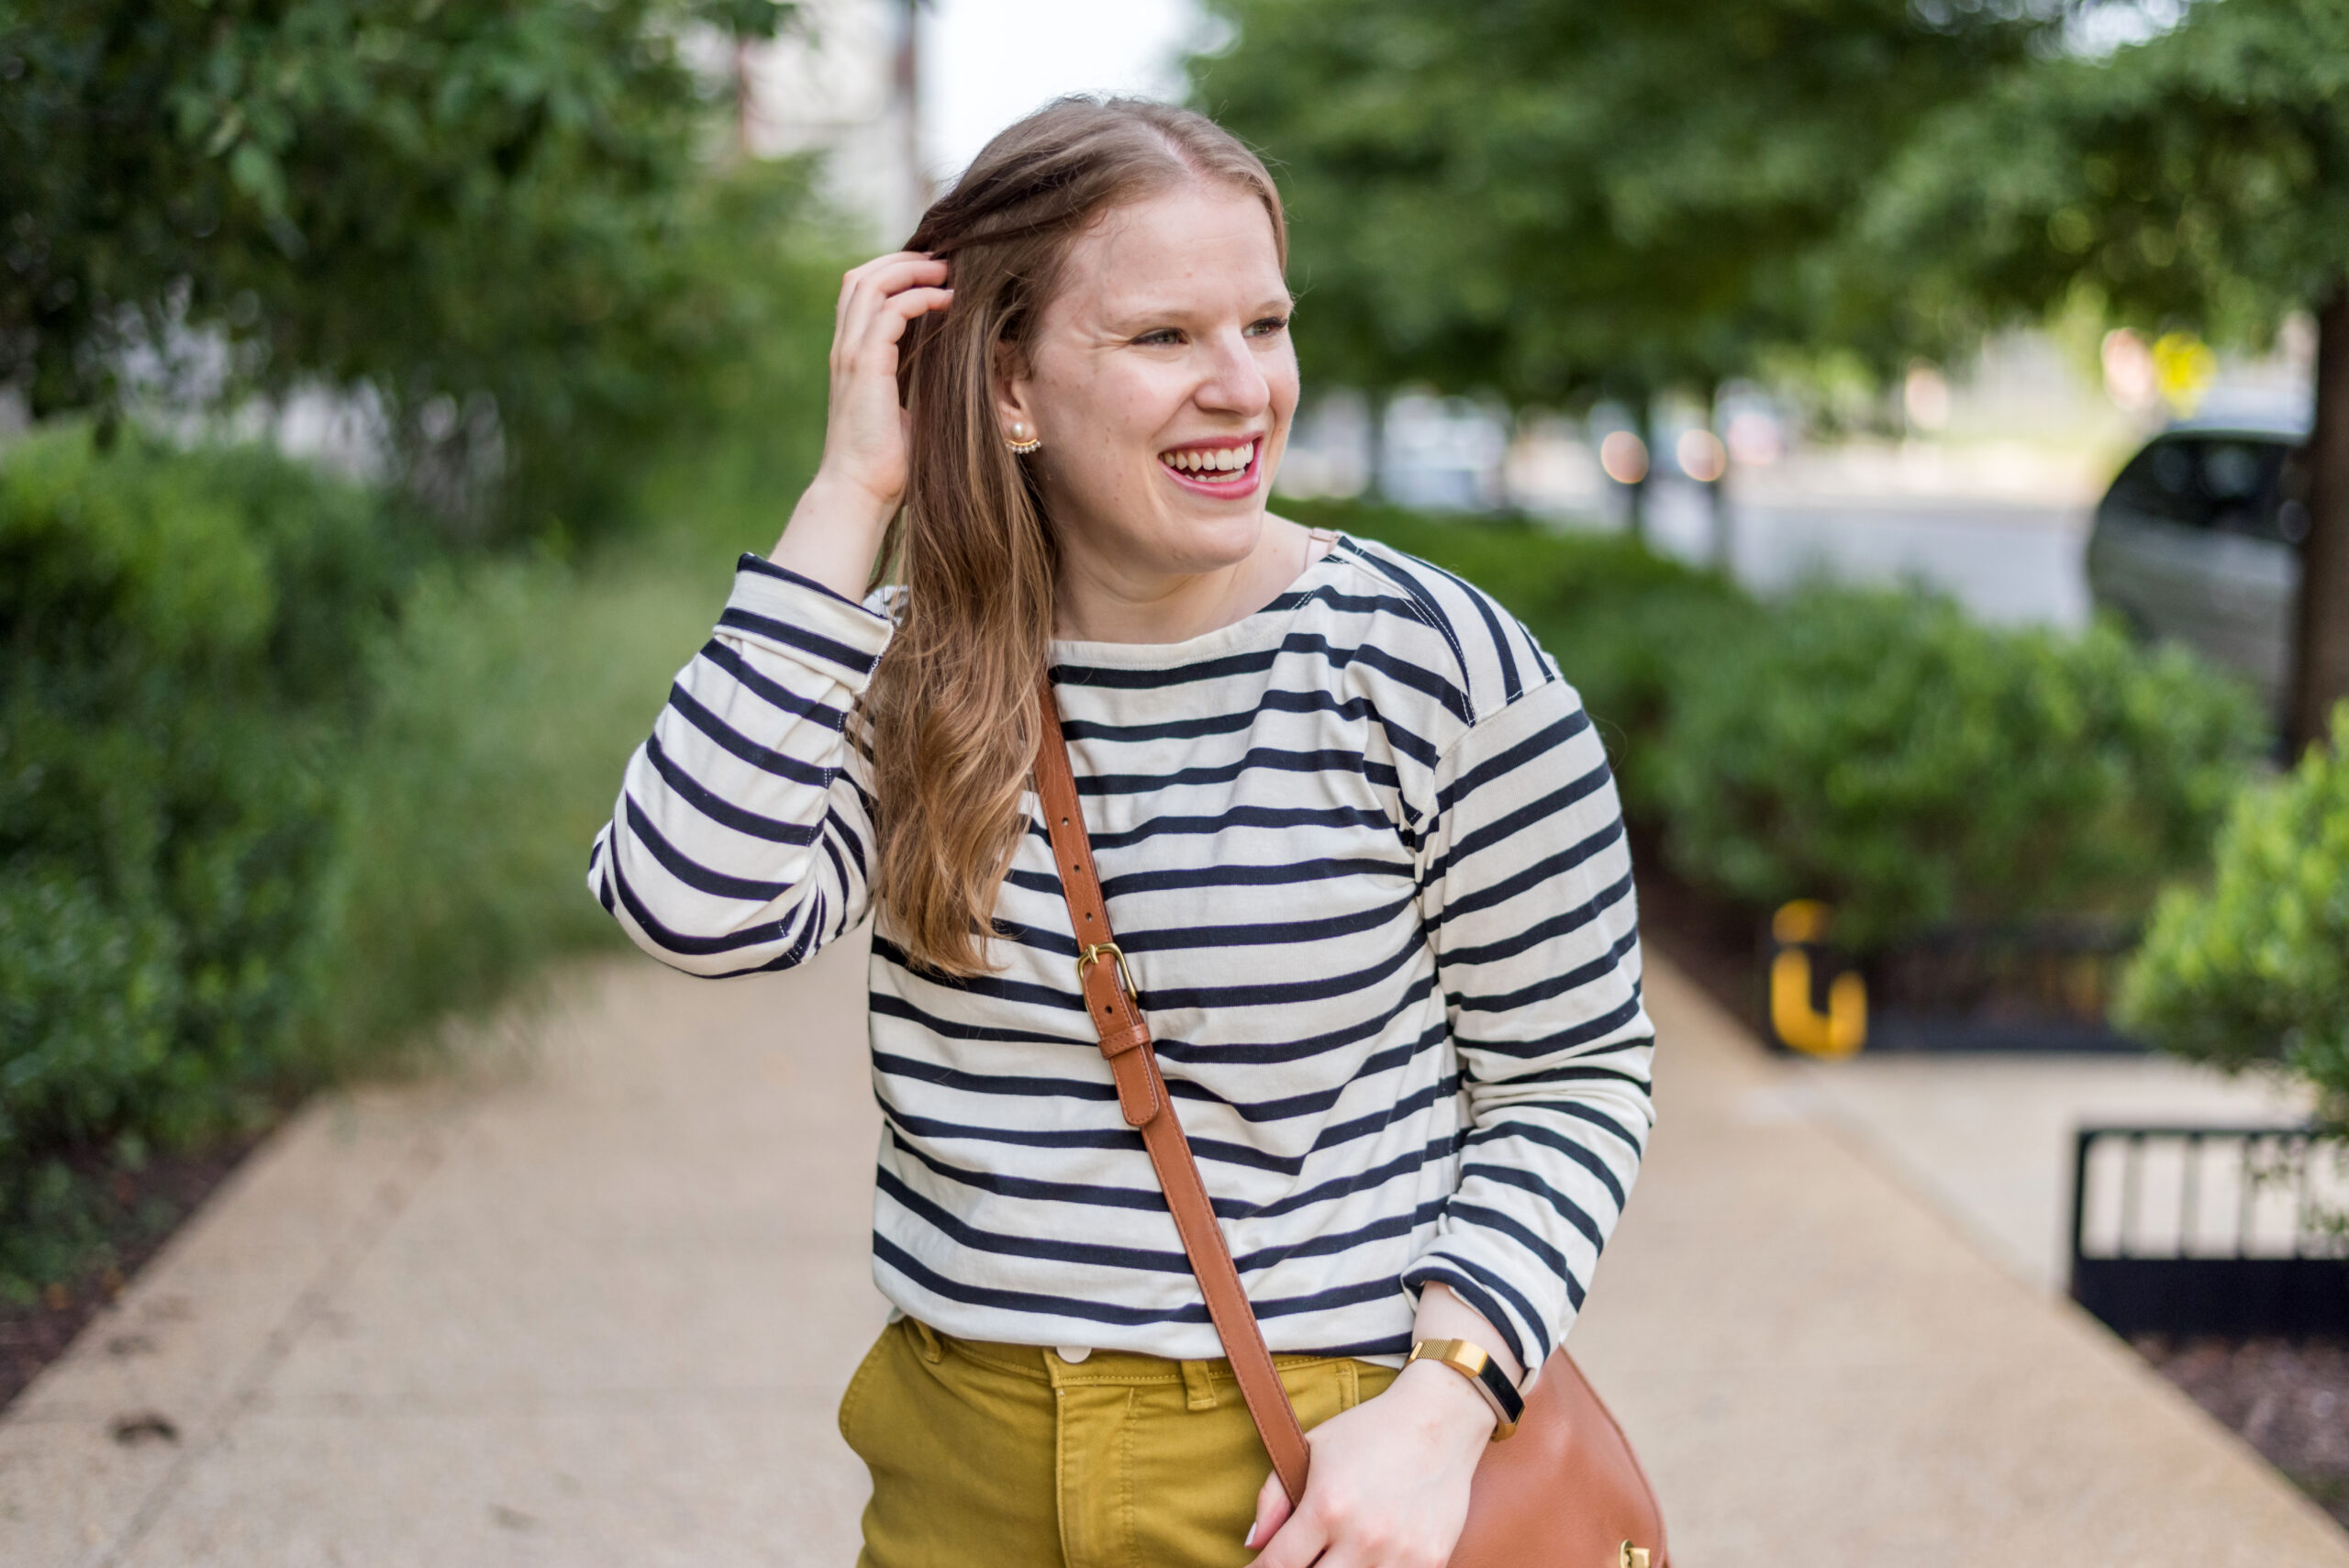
[{"x": 987, "y": 1454}]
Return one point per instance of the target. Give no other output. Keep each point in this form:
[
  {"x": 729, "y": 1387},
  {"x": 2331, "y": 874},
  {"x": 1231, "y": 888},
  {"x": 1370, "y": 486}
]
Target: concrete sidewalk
[
  {"x": 1987, "y": 1139},
  {"x": 593, "y": 1304}
]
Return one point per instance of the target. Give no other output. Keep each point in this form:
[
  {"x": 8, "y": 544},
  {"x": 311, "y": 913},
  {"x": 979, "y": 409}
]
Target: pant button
[{"x": 1072, "y": 1352}]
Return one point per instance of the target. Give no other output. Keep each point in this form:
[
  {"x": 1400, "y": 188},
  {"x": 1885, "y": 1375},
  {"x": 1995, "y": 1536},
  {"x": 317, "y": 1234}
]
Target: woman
[{"x": 1359, "y": 843}]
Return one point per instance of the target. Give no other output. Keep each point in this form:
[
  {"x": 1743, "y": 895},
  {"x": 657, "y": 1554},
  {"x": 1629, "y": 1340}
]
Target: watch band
[{"x": 1469, "y": 1360}]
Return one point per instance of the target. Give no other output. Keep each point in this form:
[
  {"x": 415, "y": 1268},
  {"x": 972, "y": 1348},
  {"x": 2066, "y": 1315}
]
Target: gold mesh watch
[{"x": 1470, "y": 1361}]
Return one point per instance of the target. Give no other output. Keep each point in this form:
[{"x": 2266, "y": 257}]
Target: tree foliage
[
  {"x": 1539, "y": 196},
  {"x": 2200, "y": 179},
  {"x": 493, "y": 216}
]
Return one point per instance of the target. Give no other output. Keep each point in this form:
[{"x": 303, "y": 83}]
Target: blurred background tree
[
  {"x": 2197, "y": 179},
  {"x": 494, "y": 222},
  {"x": 1558, "y": 199}
]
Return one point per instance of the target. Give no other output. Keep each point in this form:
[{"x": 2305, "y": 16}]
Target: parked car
[{"x": 2198, "y": 540}]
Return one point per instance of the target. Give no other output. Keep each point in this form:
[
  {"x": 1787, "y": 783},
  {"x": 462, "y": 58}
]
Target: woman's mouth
[{"x": 1227, "y": 472}]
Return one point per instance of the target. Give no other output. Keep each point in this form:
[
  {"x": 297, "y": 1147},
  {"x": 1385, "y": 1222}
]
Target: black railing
[{"x": 2231, "y": 1230}]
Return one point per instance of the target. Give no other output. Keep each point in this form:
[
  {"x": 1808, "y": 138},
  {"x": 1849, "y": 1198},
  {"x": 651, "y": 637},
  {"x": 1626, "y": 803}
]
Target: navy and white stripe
[{"x": 1367, "y": 861}]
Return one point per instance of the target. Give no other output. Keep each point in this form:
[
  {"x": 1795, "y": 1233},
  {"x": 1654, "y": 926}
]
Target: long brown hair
[{"x": 953, "y": 706}]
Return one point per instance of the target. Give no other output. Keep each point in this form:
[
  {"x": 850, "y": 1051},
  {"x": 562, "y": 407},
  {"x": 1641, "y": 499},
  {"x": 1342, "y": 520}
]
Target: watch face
[{"x": 1504, "y": 1392}]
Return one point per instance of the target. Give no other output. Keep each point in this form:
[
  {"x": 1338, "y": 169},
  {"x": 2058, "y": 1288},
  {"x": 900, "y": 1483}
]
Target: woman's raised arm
[
  {"x": 836, "y": 530},
  {"x": 743, "y": 828}
]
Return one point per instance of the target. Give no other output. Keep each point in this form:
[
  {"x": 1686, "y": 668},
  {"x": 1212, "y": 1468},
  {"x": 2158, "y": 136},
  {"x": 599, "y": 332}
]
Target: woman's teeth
[{"x": 1222, "y": 459}]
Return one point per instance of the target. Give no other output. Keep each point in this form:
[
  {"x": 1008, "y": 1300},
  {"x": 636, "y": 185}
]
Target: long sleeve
[
  {"x": 1525, "y": 885},
  {"x": 743, "y": 830}
]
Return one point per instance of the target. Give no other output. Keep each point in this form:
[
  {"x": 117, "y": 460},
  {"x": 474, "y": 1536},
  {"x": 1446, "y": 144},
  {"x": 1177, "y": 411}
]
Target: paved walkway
[{"x": 594, "y": 1303}]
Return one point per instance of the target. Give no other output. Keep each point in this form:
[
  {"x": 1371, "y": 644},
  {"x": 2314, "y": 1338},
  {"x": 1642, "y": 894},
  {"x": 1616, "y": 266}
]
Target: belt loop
[
  {"x": 930, "y": 1349},
  {"x": 1198, "y": 1386}
]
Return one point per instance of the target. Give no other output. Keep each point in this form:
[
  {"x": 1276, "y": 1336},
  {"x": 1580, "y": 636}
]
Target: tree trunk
[
  {"x": 2320, "y": 654},
  {"x": 1643, "y": 426},
  {"x": 1717, "y": 497}
]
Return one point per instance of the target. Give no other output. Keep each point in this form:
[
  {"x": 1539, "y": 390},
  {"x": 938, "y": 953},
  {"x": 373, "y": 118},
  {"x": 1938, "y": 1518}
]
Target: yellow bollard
[{"x": 1843, "y": 1027}]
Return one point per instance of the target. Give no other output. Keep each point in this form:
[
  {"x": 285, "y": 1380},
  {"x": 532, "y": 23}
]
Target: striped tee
[{"x": 1364, "y": 856}]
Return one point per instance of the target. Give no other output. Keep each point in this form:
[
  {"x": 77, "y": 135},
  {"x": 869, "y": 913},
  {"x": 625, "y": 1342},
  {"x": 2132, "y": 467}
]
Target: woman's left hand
[{"x": 1389, "y": 1486}]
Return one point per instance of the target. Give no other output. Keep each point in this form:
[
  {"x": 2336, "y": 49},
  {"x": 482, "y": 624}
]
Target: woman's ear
[{"x": 1008, "y": 379}]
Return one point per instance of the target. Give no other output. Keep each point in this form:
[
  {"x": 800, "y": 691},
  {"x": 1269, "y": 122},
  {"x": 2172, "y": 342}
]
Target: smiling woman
[{"x": 1356, "y": 836}]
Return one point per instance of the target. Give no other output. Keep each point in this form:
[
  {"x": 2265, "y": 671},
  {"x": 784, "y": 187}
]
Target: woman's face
[{"x": 1162, "y": 382}]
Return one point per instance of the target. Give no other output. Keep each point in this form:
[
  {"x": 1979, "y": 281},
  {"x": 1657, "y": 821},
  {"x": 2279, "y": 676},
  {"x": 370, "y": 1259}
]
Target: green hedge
[
  {"x": 1914, "y": 768},
  {"x": 2254, "y": 964},
  {"x": 1877, "y": 750},
  {"x": 184, "y": 635},
  {"x": 280, "y": 782}
]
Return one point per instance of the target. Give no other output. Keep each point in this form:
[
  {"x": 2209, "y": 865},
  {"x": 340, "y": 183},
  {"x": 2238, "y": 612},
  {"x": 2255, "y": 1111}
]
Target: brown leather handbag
[{"x": 1565, "y": 1492}]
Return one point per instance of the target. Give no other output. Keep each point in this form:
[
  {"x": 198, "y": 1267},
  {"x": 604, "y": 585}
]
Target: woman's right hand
[{"x": 836, "y": 530}]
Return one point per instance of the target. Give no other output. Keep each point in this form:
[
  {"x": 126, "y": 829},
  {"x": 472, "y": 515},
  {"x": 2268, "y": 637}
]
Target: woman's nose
[{"x": 1234, "y": 382}]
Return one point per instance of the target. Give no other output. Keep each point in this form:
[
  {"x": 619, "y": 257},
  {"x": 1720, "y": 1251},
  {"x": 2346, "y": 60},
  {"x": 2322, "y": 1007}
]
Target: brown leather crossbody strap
[{"x": 1141, "y": 1095}]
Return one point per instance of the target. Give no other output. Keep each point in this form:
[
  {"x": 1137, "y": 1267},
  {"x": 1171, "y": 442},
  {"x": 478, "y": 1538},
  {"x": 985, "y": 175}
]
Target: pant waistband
[{"x": 1207, "y": 1383}]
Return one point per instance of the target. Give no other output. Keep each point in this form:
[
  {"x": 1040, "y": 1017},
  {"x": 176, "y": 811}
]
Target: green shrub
[
  {"x": 2254, "y": 964},
  {"x": 183, "y": 634},
  {"x": 276, "y": 789},
  {"x": 1912, "y": 767},
  {"x": 182, "y": 643}
]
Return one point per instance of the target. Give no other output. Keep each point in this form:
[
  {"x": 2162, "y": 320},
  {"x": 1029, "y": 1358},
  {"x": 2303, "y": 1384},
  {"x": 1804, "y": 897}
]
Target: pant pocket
[
  {"x": 860, "y": 1381},
  {"x": 961, "y": 1454}
]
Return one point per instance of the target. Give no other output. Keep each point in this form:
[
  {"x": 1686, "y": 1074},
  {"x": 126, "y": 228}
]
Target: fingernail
[{"x": 1250, "y": 1542}]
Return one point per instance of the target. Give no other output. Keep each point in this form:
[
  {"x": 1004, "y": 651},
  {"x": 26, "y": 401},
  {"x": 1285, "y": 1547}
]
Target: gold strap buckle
[
  {"x": 1633, "y": 1556},
  {"x": 1092, "y": 954}
]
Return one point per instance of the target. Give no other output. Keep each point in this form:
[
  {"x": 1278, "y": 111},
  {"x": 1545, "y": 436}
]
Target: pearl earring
[{"x": 1023, "y": 440}]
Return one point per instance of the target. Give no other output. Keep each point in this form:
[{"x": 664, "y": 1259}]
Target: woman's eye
[
  {"x": 1164, "y": 335},
  {"x": 1269, "y": 325}
]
